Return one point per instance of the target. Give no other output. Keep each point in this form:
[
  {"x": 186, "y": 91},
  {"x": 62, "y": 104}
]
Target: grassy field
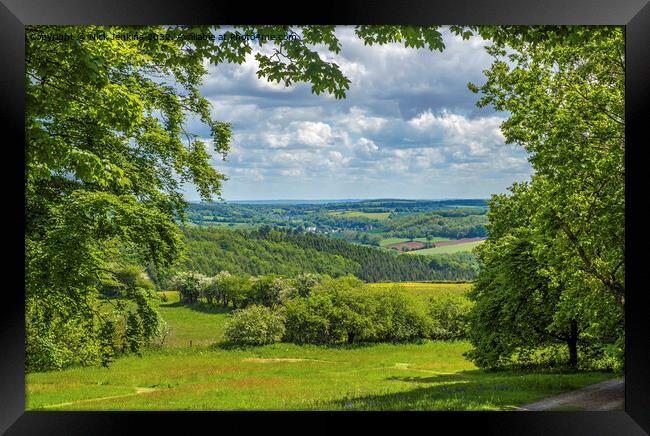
[
  {"x": 359, "y": 214},
  {"x": 426, "y": 376},
  {"x": 447, "y": 249},
  {"x": 431, "y": 375},
  {"x": 200, "y": 323}
]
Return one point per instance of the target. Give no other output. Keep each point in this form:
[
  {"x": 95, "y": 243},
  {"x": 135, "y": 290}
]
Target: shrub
[
  {"x": 305, "y": 282},
  {"x": 341, "y": 311},
  {"x": 254, "y": 325},
  {"x": 337, "y": 311},
  {"x": 59, "y": 339},
  {"x": 190, "y": 284},
  {"x": 308, "y": 320},
  {"x": 271, "y": 290},
  {"x": 401, "y": 316},
  {"x": 344, "y": 284},
  {"x": 449, "y": 314}
]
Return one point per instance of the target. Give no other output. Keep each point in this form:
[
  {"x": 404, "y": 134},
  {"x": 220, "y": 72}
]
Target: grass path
[{"x": 138, "y": 391}]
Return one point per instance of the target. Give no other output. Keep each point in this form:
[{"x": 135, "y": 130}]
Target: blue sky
[{"x": 409, "y": 128}]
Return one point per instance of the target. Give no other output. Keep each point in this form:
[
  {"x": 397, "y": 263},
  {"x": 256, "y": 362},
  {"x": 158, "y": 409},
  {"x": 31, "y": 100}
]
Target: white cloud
[
  {"x": 313, "y": 133},
  {"x": 408, "y": 127}
]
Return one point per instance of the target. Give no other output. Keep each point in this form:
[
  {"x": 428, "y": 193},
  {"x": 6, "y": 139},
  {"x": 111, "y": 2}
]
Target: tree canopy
[{"x": 553, "y": 264}]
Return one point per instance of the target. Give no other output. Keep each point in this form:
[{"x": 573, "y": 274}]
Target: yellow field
[
  {"x": 172, "y": 296},
  {"x": 422, "y": 288},
  {"x": 419, "y": 288}
]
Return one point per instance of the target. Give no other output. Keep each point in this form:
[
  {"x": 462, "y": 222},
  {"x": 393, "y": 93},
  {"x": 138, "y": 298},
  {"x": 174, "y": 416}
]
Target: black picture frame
[{"x": 634, "y": 14}]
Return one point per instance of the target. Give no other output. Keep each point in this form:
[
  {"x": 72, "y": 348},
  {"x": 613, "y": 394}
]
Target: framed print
[{"x": 397, "y": 213}]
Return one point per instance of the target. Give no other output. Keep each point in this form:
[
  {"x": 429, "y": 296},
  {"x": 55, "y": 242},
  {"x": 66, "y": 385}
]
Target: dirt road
[{"x": 607, "y": 395}]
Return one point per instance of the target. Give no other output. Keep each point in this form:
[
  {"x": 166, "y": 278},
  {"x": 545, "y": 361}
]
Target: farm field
[
  {"x": 425, "y": 289},
  {"x": 447, "y": 249},
  {"x": 426, "y": 376},
  {"x": 360, "y": 214}
]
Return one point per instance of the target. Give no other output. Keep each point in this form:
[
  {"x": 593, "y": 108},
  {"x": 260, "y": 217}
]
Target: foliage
[
  {"x": 304, "y": 283},
  {"x": 449, "y": 313},
  {"x": 271, "y": 290},
  {"x": 228, "y": 288},
  {"x": 343, "y": 311},
  {"x": 61, "y": 340},
  {"x": 326, "y": 310},
  {"x": 275, "y": 251},
  {"x": 436, "y": 224},
  {"x": 309, "y": 320},
  {"x": 96, "y": 338},
  {"x": 254, "y": 325},
  {"x": 191, "y": 285},
  {"x": 127, "y": 277},
  {"x": 553, "y": 268},
  {"x": 401, "y": 316},
  {"x": 210, "y": 289}
]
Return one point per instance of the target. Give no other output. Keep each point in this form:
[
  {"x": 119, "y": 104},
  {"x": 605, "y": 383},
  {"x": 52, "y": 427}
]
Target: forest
[{"x": 267, "y": 250}]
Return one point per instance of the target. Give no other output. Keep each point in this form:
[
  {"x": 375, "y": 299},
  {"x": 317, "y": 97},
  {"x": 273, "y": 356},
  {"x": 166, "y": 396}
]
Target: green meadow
[
  {"x": 447, "y": 249},
  {"x": 428, "y": 375},
  {"x": 360, "y": 214},
  {"x": 431, "y": 375}
]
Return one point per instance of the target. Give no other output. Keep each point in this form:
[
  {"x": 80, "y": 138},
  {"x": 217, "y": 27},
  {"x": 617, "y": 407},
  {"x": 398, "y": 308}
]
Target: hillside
[{"x": 270, "y": 250}]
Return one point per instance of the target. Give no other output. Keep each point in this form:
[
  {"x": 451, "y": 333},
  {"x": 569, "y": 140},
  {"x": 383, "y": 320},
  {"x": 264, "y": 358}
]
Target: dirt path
[{"x": 607, "y": 395}]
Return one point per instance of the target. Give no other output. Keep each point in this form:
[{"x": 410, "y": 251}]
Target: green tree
[
  {"x": 191, "y": 285},
  {"x": 556, "y": 244},
  {"x": 305, "y": 282}
]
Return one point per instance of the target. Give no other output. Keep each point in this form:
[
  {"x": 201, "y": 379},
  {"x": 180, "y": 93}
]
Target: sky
[{"x": 408, "y": 128}]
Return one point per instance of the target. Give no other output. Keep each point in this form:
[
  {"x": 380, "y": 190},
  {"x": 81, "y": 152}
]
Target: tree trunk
[{"x": 572, "y": 342}]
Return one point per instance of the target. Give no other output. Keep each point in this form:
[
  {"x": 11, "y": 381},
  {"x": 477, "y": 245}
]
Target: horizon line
[{"x": 343, "y": 199}]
